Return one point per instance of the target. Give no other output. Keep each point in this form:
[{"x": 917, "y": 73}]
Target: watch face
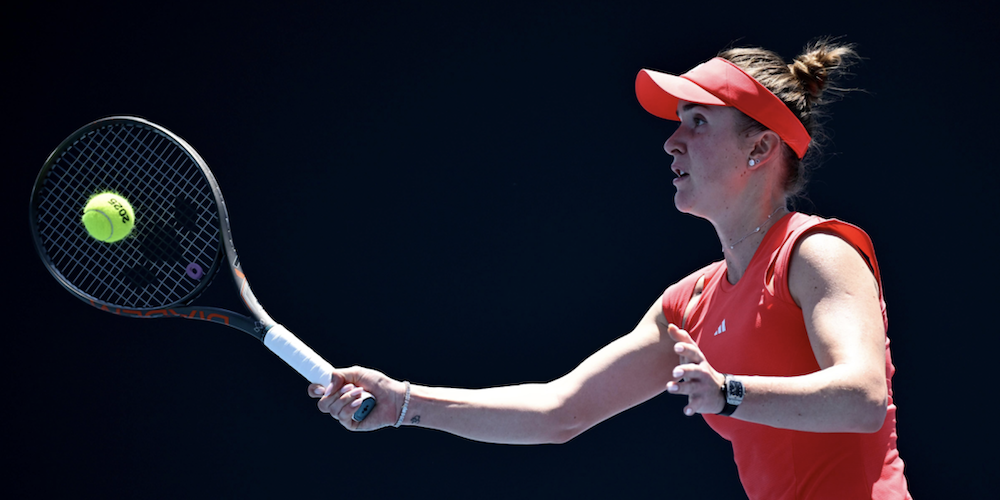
[{"x": 734, "y": 393}]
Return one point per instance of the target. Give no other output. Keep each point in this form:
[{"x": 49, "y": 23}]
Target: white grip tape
[{"x": 298, "y": 355}]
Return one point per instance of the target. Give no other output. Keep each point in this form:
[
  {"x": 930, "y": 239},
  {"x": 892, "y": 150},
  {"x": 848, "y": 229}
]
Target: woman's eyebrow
[{"x": 689, "y": 106}]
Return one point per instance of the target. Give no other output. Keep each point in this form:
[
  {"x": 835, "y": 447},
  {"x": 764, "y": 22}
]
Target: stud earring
[{"x": 752, "y": 162}]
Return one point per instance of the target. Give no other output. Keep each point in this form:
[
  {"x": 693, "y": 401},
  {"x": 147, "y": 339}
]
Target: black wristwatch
[{"x": 732, "y": 391}]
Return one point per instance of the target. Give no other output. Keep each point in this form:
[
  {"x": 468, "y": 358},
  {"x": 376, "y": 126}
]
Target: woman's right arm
[{"x": 626, "y": 372}]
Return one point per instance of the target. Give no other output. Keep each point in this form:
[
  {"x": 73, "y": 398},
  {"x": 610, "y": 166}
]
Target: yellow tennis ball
[{"x": 108, "y": 217}]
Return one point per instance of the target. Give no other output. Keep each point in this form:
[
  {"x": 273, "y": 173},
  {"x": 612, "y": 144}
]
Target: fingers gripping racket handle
[{"x": 310, "y": 365}]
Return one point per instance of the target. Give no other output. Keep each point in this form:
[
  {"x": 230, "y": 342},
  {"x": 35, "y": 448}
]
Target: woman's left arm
[{"x": 840, "y": 303}]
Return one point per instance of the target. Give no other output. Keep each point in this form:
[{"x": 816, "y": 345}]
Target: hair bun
[{"x": 821, "y": 62}]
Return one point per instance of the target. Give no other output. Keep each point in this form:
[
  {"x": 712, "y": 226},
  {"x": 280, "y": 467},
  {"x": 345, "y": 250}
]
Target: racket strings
[{"x": 176, "y": 226}]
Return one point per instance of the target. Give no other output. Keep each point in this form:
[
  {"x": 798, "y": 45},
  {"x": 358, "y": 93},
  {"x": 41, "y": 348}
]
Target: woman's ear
[{"x": 766, "y": 146}]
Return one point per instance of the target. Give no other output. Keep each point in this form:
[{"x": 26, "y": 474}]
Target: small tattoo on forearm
[{"x": 415, "y": 420}]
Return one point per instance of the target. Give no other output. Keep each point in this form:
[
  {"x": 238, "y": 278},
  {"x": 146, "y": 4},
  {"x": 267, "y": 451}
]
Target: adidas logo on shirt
[{"x": 722, "y": 328}]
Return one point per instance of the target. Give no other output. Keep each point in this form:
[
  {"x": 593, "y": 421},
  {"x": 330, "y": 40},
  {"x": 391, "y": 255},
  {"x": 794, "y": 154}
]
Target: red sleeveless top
[{"x": 755, "y": 328}]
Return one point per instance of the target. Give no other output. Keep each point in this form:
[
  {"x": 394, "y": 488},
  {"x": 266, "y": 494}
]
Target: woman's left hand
[{"x": 694, "y": 376}]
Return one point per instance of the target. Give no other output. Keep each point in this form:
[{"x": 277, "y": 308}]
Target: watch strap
[{"x": 727, "y": 410}]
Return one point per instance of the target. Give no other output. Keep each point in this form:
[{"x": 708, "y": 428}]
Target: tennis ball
[{"x": 108, "y": 217}]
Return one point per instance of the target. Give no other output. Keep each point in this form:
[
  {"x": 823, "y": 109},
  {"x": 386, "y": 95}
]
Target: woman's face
[{"x": 710, "y": 159}]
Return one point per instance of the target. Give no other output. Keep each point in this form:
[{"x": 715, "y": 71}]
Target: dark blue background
[{"x": 468, "y": 194}]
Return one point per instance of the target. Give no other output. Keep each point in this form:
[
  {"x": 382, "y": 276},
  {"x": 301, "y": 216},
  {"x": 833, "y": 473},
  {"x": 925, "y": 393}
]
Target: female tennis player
[{"x": 781, "y": 346}]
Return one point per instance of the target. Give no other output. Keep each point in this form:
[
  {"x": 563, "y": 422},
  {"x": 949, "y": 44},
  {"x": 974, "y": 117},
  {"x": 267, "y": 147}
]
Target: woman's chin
[
  {"x": 682, "y": 203},
  {"x": 685, "y": 205}
]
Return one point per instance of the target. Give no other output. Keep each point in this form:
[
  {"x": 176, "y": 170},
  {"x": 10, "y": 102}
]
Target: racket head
[{"x": 176, "y": 245}]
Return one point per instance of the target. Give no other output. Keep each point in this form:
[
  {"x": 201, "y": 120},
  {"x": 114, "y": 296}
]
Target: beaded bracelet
[{"x": 406, "y": 403}]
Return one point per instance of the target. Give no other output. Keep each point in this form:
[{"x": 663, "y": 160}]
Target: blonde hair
[{"x": 804, "y": 86}]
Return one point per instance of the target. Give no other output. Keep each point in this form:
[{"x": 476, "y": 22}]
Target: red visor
[{"x": 719, "y": 82}]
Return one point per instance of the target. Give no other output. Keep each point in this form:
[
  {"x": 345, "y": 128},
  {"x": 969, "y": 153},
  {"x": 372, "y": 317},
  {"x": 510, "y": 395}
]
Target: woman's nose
[{"x": 674, "y": 145}]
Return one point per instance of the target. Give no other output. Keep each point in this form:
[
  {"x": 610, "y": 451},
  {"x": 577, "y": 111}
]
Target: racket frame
[{"x": 257, "y": 324}]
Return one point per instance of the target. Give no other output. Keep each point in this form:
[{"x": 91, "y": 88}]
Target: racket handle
[{"x": 310, "y": 365}]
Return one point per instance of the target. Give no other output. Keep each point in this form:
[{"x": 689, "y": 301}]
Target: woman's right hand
[{"x": 342, "y": 397}]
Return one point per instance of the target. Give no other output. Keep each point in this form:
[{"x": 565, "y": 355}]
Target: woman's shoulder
[
  {"x": 800, "y": 224},
  {"x": 801, "y": 227}
]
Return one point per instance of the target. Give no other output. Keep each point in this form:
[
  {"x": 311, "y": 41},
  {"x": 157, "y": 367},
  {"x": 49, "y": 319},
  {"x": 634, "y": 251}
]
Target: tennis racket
[{"x": 181, "y": 237}]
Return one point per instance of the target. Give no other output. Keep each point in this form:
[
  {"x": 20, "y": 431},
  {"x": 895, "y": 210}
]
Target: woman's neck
[{"x": 742, "y": 234}]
